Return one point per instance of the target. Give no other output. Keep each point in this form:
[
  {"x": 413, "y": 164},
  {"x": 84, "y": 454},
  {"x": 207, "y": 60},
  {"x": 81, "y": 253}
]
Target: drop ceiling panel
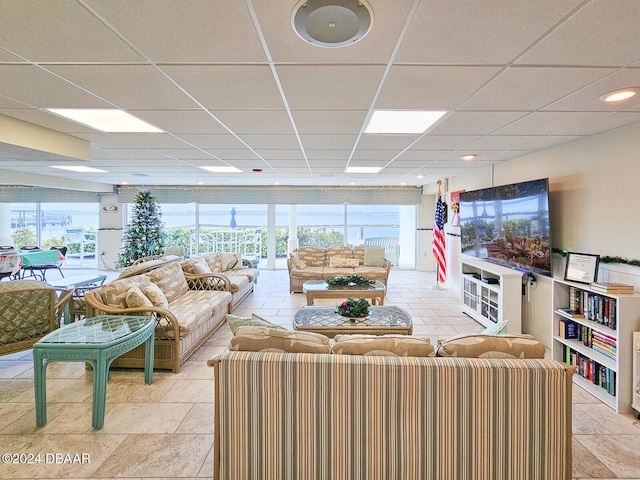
[
  {"x": 333, "y": 122},
  {"x": 185, "y": 153},
  {"x": 502, "y": 142},
  {"x": 425, "y": 155},
  {"x": 223, "y": 141},
  {"x": 548, "y": 142},
  {"x": 228, "y": 86},
  {"x": 548, "y": 123},
  {"x": 387, "y": 142},
  {"x": 264, "y": 122},
  {"x": 603, "y": 124},
  {"x": 181, "y": 122},
  {"x": 431, "y": 87},
  {"x": 272, "y": 142},
  {"x": 47, "y": 120},
  {"x": 532, "y": 88},
  {"x": 320, "y": 155},
  {"x": 328, "y": 141},
  {"x": 375, "y": 154},
  {"x": 478, "y": 32},
  {"x": 444, "y": 142},
  {"x": 280, "y": 154},
  {"x": 198, "y": 30},
  {"x": 476, "y": 123},
  {"x": 70, "y": 32},
  {"x": 153, "y": 140},
  {"x": 581, "y": 40},
  {"x": 128, "y": 153},
  {"x": 326, "y": 87}
]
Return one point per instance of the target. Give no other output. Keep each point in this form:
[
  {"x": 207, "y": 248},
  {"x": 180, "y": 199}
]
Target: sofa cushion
[
  {"x": 196, "y": 266},
  {"x": 373, "y": 256},
  {"x": 171, "y": 281},
  {"x": 261, "y": 339},
  {"x": 153, "y": 293},
  {"x": 254, "y": 320},
  {"x": 136, "y": 298},
  {"x": 115, "y": 293},
  {"x": 214, "y": 262},
  {"x": 197, "y": 306},
  {"x": 491, "y": 346},
  {"x": 342, "y": 262},
  {"x": 343, "y": 251},
  {"x": 141, "y": 267},
  {"x": 231, "y": 261},
  {"x": 382, "y": 345},
  {"x": 297, "y": 261},
  {"x": 312, "y": 256},
  {"x": 358, "y": 252},
  {"x": 238, "y": 282},
  {"x": 250, "y": 273},
  {"x": 371, "y": 272},
  {"x": 309, "y": 273}
]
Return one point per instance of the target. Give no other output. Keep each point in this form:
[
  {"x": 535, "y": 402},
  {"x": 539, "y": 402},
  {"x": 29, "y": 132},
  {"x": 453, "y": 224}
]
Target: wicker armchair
[{"x": 28, "y": 311}]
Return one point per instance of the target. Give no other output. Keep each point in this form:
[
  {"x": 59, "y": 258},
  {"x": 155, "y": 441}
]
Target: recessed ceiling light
[
  {"x": 199, "y": 183},
  {"x": 79, "y": 169},
  {"x": 403, "y": 121},
  {"x": 620, "y": 95},
  {"x": 222, "y": 169},
  {"x": 107, "y": 120},
  {"x": 468, "y": 156},
  {"x": 276, "y": 183},
  {"x": 352, "y": 183},
  {"x": 124, "y": 182},
  {"x": 403, "y": 183},
  {"x": 419, "y": 176},
  {"x": 363, "y": 169}
]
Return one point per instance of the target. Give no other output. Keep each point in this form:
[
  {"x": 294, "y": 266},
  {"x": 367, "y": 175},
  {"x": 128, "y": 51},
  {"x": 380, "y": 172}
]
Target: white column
[
  {"x": 5, "y": 224},
  {"x": 271, "y": 237},
  {"x": 292, "y": 242}
]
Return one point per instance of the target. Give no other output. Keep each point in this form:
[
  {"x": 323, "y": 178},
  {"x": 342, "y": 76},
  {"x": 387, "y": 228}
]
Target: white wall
[{"x": 594, "y": 193}]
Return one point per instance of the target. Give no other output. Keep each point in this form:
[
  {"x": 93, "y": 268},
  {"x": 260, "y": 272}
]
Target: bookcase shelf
[
  {"x": 491, "y": 293},
  {"x": 614, "y": 377}
]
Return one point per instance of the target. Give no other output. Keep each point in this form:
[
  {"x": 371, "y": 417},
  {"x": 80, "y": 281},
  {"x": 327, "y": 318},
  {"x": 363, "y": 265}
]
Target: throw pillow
[
  {"x": 157, "y": 297},
  {"x": 499, "y": 328},
  {"x": 171, "y": 280},
  {"x": 261, "y": 339},
  {"x": 297, "y": 262},
  {"x": 341, "y": 262},
  {"x": 382, "y": 345},
  {"x": 373, "y": 256},
  {"x": 254, "y": 320},
  {"x": 201, "y": 267},
  {"x": 231, "y": 261},
  {"x": 491, "y": 346},
  {"x": 135, "y": 298}
]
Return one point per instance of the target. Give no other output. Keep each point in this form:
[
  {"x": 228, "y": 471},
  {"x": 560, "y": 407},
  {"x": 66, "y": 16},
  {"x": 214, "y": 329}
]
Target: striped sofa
[{"x": 321, "y": 416}]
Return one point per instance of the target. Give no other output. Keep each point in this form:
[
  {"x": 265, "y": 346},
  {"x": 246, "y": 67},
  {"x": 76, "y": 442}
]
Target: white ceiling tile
[
  {"x": 605, "y": 123},
  {"x": 181, "y": 122},
  {"x": 329, "y": 122},
  {"x": 548, "y": 123},
  {"x": 501, "y": 142},
  {"x": 475, "y": 123},
  {"x": 444, "y": 142},
  {"x": 263, "y": 122}
]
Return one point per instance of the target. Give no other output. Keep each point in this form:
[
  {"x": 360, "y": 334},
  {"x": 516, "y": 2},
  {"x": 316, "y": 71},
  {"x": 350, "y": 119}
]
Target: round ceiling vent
[{"x": 332, "y": 23}]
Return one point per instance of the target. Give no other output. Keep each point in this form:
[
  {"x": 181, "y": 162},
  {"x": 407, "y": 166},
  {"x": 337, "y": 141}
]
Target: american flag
[{"x": 439, "y": 246}]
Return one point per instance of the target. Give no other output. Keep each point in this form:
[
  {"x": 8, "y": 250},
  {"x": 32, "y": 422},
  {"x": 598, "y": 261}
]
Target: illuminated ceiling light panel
[
  {"x": 106, "y": 120},
  {"x": 79, "y": 169},
  {"x": 363, "y": 169},
  {"x": 403, "y": 121},
  {"x": 620, "y": 95},
  {"x": 468, "y": 156},
  {"x": 222, "y": 169}
]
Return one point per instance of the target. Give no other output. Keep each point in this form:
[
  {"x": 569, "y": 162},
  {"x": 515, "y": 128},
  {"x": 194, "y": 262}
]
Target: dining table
[{"x": 12, "y": 262}]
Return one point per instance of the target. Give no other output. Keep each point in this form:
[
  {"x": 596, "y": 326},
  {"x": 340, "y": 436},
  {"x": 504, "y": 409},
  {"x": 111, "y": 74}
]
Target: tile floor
[{"x": 164, "y": 430}]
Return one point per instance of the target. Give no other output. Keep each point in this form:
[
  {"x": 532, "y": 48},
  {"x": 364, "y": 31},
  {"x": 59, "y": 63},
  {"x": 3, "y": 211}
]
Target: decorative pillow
[
  {"x": 115, "y": 293},
  {"x": 341, "y": 262},
  {"x": 231, "y": 261},
  {"x": 385, "y": 345},
  {"x": 261, "y": 339},
  {"x": 171, "y": 281},
  {"x": 297, "y": 262},
  {"x": 135, "y": 298},
  {"x": 200, "y": 267},
  {"x": 499, "y": 328},
  {"x": 153, "y": 293},
  {"x": 254, "y": 321},
  {"x": 373, "y": 256},
  {"x": 491, "y": 346}
]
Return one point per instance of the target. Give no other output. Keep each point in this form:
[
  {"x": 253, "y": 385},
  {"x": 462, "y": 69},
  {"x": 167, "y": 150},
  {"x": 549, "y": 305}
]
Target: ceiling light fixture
[
  {"x": 223, "y": 169},
  {"x": 468, "y": 156},
  {"x": 403, "y": 121},
  {"x": 79, "y": 169},
  {"x": 363, "y": 169},
  {"x": 419, "y": 176},
  {"x": 332, "y": 23},
  {"x": 620, "y": 95},
  {"x": 106, "y": 119}
]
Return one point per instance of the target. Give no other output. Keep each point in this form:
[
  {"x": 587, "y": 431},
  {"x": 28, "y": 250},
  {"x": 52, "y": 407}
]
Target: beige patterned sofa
[
  {"x": 186, "y": 314},
  {"x": 209, "y": 268},
  {"x": 314, "y": 263},
  {"x": 281, "y": 415}
]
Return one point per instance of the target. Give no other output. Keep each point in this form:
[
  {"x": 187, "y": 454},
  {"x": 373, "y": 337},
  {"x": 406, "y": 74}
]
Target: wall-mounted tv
[{"x": 508, "y": 225}]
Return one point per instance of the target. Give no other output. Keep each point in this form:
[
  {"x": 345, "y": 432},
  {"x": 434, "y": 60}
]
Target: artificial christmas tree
[{"x": 143, "y": 236}]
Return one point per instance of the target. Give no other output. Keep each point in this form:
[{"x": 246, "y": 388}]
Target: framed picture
[{"x": 581, "y": 267}]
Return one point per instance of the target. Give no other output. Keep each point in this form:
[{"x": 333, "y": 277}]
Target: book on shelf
[
  {"x": 567, "y": 312},
  {"x": 612, "y": 287}
]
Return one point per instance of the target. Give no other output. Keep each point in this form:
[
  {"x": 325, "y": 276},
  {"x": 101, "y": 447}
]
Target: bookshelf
[
  {"x": 491, "y": 293},
  {"x": 602, "y": 348},
  {"x": 636, "y": 373}
]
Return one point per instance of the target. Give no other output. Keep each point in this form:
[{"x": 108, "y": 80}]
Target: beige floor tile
[
  {"x": 141, "y": 418},
  {"x": 585, "y": 464},
  {"x": 11, "y": 412},
  {"x": 198, "y": 420},
  {"x": 62, "y": 418},
  {"x": 13, "y": 368},
  {"x": 11, "y": 388},
  {"x": 60, "y": 390},
  {"x": 136, "y": 391},
  {"x": 207, "y": 468},
  {"x": 163, "y": 456},
  {"x": 619, "y": 453},
  {"x": 190, "y": 390}
]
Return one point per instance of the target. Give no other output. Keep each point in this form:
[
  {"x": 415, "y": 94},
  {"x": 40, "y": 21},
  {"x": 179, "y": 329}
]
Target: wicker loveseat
[
  {"x": 314, "y": 263},
  {"x": 193, "y": 311},
  {"x": 318, "y": 416},
  {"x": 28, "y": 311}
]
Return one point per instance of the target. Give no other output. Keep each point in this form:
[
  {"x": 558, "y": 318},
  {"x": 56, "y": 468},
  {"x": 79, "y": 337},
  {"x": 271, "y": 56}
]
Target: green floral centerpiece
[
  {"x": 354, "y": 308},
  {"x": 349, "y": 280}
]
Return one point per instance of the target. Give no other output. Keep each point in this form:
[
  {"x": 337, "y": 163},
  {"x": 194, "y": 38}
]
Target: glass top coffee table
[
  {"x": 97, "y": 341},
  {"x": 320, "y": 289},
  {"x": 382, "y": 320}
]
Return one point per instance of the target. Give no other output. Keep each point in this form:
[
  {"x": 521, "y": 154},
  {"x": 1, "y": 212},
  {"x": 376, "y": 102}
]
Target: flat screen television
[{"x": 508, "y": 225}]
